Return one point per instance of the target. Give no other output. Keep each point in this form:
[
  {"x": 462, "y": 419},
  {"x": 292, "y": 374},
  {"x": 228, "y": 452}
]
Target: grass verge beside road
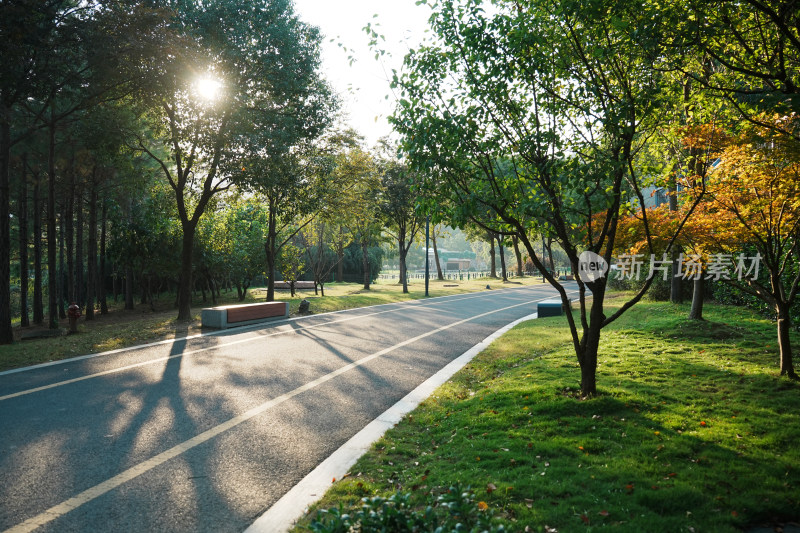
[
  {"x": 693, "y": 430},
  {"x": 121, "y": 328}
]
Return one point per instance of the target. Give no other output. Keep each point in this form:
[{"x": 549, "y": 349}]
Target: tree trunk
[
  {"x": 52, "y": 239},
  {"x": 676, "y": 285},
  {"x": 213, "y": 292},
  {"x": 502, "y": 257},
  {"x": 696, "y": 312},
  {"x": 91, "y": 274},
  {"x": 439, "y": 274},
  {"x": 491, "y": 254},
  {"x": 271, "y": 253},
  {"x": 6, "y": 333},
  {"x": 101, "y": 279},
  {"x": 62, "y": 272},
  {"x": 38, "y": 304},
  {"x": 80, "y": 288},
  {"x": 784, "y": 342},
  {"x": 587, "y": 357},
  {"x": 185, "y": 285},
  {"x": 403, "y": 254},
  {"x": 69, "y": 234},
  {"x": 23, "y": 244},
  {"x": 365, "y": 262},
  {"x": 518, "y": 254},
  {"x": 698, "y": 296}
]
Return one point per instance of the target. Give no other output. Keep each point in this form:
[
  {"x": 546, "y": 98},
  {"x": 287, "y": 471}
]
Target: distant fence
[{"x": 462, "y": 276}]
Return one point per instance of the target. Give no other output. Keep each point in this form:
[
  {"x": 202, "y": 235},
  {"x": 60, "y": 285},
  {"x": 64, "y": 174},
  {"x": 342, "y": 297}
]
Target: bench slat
[{"x": 254, "y": 311}]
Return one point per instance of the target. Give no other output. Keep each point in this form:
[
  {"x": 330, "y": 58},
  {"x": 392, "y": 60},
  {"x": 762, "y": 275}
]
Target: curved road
[{"x": 206, "y": 433}]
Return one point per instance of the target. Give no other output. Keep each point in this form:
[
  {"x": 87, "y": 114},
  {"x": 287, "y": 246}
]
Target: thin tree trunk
[
  {"x": 784, "y": 341},
  {"x": 403, "y": 254},
  {"x": 185, "y": 287},
  {"x": 61, "y": 296},
  {"x": 91, "y": 275},
  {"x": 23, "y": 244},
  {"x": 502, "y": 257},
  {"x": 590, "y": 343},
  {"x": 271, "y": 253},
  {"x": 52, "y": 239},
  {"x": 676, "y": 285},
  {"x": 80, "y": 289},
  {"x": 365, "y": 262},
  {"x": 439, "y": 274},
  {"x": 38, "y": 304},
  {"x": 6, "y": 333},
  {"x": 101, "y": 279},
  {"x": 518, "y": 254},
  {"x": 69, "y": 229},
  {"x": 696, "y": 312},
  {"x": 491, "y": 253}
]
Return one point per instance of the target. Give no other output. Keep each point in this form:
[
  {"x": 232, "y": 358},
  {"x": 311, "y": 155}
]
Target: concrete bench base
[
  {"x": 549, "y": 308},
  {"x": 227, "y": 316}
]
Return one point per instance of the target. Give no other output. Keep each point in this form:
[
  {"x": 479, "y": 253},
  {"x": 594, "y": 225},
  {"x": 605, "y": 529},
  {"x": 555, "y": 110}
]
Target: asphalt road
[{"x": 205, "y": 434}]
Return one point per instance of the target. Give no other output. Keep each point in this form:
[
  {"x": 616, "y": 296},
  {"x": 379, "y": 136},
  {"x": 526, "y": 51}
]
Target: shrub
[{"x": 454, "y": 510}]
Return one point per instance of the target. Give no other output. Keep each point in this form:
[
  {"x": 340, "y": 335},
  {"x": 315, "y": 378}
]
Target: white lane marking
[
  {"x": 199, "y": 350},
  {"x": 98, "y": 490},
  {"x": 239, "y": 329},
  {"x": 294, "y": 504}
]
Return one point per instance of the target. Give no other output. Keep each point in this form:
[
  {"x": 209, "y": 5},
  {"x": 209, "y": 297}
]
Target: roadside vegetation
[
  {"x": 693, "y": 430},
  {"x": 121, "y": 328}
]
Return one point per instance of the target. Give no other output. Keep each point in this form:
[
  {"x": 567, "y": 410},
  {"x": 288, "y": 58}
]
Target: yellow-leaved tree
[{"x": 754, "y": 201}]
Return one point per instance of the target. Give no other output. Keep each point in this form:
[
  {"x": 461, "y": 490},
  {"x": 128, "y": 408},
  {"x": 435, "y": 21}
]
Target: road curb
[{"x": 286, "y": 511}]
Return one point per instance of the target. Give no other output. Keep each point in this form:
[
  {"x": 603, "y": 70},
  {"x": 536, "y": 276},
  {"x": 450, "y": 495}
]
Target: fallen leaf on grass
[
  {"x": 603, "y": 513},
  {"x": 528, "y": 503}
]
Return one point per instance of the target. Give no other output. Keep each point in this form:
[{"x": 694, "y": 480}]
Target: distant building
[{"x": 452, "y": 261}]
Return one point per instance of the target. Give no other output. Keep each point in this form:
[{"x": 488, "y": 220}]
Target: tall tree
[
  {"x": 754, "y": 199},
  {"x": 399, "y": 211},
  {"x": 224, "y": 99},
  {"x": 537, "y": 122}
]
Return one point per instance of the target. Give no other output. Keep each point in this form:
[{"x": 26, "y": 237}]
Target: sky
[{"x": 364, "y": 86}]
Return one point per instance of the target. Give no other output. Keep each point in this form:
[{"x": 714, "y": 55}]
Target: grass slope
[{"x": 693, "y": 430}]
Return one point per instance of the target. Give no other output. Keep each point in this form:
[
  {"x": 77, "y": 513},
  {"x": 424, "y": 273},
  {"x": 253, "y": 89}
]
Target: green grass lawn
[
  {"x": 121, "y": 328},
  {"x": 693, "y": 430}
]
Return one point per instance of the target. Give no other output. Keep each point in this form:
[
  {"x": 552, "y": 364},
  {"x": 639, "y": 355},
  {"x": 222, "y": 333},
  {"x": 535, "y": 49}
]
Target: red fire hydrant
[{"x": 74, "y": 313}]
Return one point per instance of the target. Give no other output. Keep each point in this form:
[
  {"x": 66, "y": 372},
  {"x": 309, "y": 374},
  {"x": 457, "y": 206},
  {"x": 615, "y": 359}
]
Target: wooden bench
[
  {"x": 298, "y": 285},
  {"x": 241, "y": 315},
  {"x": 549, "y": 308}
]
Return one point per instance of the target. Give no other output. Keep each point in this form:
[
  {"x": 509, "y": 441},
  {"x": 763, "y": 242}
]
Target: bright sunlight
[{"x": 208, "y": 88}]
